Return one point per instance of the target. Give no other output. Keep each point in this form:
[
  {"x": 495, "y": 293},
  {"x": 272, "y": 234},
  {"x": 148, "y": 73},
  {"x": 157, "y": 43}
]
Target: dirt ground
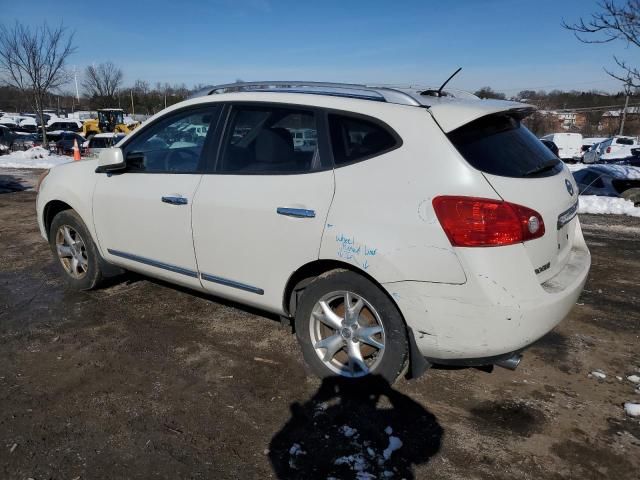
[{"x": 144, "y": 380}]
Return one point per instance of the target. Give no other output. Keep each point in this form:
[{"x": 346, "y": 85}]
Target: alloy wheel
[
  {"x": 72, "y": 251},
  {"x": 347, "y": 333}
]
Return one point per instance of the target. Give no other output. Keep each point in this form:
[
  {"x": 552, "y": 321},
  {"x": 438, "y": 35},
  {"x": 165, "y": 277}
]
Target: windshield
[{"x": 500, "y": 145}]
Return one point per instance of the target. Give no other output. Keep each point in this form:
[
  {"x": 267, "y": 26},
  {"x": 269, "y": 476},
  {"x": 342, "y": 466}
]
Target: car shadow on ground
[
  {"x": 362, "y": 429},
  {"x": 12, "y": 183}
]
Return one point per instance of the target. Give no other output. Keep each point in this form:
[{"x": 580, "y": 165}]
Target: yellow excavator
[{"x": 110, "y": 120}]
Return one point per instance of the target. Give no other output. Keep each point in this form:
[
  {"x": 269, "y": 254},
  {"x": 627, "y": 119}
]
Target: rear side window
[
  {"x": 501, "y": 145},
  {"x": 624, "y": 141},
  {"x": 354, "y": 139}
]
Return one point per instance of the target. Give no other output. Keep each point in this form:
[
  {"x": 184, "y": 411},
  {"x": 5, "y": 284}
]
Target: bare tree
[
  {"x": 34, "y": 61},
  {"x": 610, "y": 24},
  {"x": 103, "y": 80}
]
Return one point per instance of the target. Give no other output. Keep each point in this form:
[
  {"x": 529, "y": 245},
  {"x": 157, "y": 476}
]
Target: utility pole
[
  {"x": 75, "y": 76},
  {"x": 133, "y": 110},
  {"x": 624, "y": 110}
]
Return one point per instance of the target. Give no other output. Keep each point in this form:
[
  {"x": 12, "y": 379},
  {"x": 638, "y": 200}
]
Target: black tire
[
  {"x": 395, "y": 354},
  {"x": 93, "y": 276}
]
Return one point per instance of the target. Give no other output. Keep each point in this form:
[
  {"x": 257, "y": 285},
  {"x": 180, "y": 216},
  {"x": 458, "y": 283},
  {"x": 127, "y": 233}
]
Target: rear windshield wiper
[{"x": 548, "y": 165}]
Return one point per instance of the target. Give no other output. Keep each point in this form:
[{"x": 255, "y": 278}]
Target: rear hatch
[{"x": 524, "y": 171}]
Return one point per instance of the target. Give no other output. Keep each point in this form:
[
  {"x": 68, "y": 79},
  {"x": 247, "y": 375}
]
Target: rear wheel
[
  {"x": 76, "y": 254},
  {"x": 633, "y": 195},
  {"x": 348, "y": 327}
]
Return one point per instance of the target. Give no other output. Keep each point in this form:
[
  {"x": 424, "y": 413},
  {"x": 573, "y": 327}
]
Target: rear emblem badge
[{"x": 569, "y": 187}]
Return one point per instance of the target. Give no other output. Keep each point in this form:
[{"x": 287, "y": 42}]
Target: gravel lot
[{"x": 144, "y": 380}]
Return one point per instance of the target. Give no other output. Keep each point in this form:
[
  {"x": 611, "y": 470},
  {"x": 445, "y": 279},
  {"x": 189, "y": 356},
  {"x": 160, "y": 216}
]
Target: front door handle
[
  {"x": 175, "y": 200},
  {"x": 296, "y": 212}
]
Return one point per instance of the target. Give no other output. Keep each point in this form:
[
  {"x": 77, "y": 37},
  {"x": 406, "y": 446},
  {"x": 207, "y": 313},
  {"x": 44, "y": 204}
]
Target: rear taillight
[
  {"x": 608, "y": 149},
  {"x": 482, "y": 222}
]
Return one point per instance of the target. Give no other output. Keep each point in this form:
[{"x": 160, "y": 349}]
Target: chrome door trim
[
  {"x": 296, "y": 212},
  {"x": 153, "y": 263},
  {"x": 231, "y": 283}
]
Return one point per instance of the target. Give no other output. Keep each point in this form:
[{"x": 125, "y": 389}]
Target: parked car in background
[
  {"x": 6, "y": 137},
  {"x": 99, "y": 142},
  {"x": 26, "y": 141},
  {"x": 610, "y": 181},
  {"x": 64, "y": 145},
  {"x": 8, "y": 122},
  {"x": 616, "y": 148},
  {"x": 28, "y": 124},
  {"x": 569, "y": 145},
  {"x": 66, "y": 125},
  {"x": 589, "y": 142},
  {"x": 473, "y": 252}
]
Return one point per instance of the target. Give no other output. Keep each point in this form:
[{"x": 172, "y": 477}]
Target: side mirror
[{"x": 110, "y": 159}]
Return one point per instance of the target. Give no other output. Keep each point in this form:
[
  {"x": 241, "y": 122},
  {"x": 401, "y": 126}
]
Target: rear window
[
  {"x": 501, "y": 145},
  {"x": 624, "y": 141}
]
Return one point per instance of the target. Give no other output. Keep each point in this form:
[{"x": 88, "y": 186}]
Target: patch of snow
[
  {"x": 296, "y": 449},
  {"x": 357, "y": 462},
  {"x": 634, "y": 378},
  {"x": 36, "y": 157},
  {"x": 632, "y": 409},
  {"x": 598, "y": 374},
  {"x": 394, "y": 444},
  {"x": 347, "y": 431},
  {"x": 603, "y": 205}
]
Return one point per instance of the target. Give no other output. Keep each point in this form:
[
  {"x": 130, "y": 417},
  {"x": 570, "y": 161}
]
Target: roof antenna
[{"x": 438, "y": 93}]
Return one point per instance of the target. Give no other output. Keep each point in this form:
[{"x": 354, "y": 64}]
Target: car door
[
  {"x": 142, "y": 214},
  {"x": 261, "y": 214}
]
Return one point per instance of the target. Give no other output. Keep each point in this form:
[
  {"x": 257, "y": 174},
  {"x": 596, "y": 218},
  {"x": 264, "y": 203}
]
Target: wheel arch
[
  {"x": 307, "y": 273},
  {"x": 51, "y": 209}
]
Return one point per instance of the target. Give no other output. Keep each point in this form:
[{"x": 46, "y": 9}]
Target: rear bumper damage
[{"x": 495, "y": 315}]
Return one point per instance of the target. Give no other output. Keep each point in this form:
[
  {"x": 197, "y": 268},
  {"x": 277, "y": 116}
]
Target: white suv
[{"x": 420, "y": 229}]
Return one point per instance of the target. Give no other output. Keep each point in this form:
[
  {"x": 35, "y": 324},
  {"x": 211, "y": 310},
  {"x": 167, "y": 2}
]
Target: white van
[{"x": 569, "y": 145}]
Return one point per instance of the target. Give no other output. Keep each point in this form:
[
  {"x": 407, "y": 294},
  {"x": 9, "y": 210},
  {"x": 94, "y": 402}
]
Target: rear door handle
[
  {"x": 175, "y": 200},
  {"x": 296, "y": 212}
]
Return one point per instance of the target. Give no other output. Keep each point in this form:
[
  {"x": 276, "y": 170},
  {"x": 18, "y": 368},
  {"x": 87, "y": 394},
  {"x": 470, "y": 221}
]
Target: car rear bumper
[{"x": 500, "y": 310}]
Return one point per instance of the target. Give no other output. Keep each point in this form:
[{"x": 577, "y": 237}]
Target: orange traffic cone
[{"x": 76, "y": 149}]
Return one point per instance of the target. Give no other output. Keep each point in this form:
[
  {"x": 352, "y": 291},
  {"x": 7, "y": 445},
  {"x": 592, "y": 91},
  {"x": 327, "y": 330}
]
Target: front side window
[
  {"x": 354, "y": 139},
  {"x": 270, "y": 140},
  {"x": 174, "y": 144}
]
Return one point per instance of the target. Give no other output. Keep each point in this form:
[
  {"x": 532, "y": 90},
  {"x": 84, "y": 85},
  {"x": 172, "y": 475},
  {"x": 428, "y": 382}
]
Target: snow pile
[
  {"x": 363, "y": 459},
  {"x": 632, "y": 409},
  {"x": 36, "y": 157},
  {"x": 633, "y": 378},
  {"x": 600, "y": 205},
  {"x": 294, "y": 452},
  {"x": 599, "y": 374}
]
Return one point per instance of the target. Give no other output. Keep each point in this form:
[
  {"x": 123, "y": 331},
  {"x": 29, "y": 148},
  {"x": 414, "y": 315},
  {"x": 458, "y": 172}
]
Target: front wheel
[
  {"x": 348, "y": 327},
  {"x": 75, "y": 252}
]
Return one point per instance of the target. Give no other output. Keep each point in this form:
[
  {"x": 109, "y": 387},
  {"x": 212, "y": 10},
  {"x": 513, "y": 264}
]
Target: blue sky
[{"x": 509, "y": 45}]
